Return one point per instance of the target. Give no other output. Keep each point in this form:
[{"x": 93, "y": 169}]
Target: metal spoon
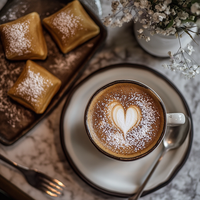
[{"x": 173, "y": 139}]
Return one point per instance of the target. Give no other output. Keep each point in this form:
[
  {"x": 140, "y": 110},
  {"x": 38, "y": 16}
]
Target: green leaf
[
  {"x": 170, "y": 23},
  {"x": 190, "y": 36},
  {"x": 187, "y": 20}
]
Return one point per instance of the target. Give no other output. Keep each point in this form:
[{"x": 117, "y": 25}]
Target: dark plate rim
[
  {"x": 75, "y": 76},
  {"x": 69, "y": 159}
]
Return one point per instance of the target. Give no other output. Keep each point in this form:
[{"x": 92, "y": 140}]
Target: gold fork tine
[
  {"x": 49, "y": 190},
  {"x": 52, "y": 180}
]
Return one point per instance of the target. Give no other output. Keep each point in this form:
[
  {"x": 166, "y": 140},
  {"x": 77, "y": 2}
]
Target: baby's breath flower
[
  {"x": 137, "y": 4},
  {"x": 195, "y": 8},
  {"x": 167, "y": 2},
  {"x": 165, "y": 17},
  {"x": 177, "y": 22},
  {"x": 107, "y": 21},
  {"x": 115, "y": 4},
  {"x": 144, "y": 4},
  {"x": 145, "y": 26},
  {"x": 190, "y": 49},
  {"x": 127, "y": 17},
  {"x": 140, "y": 31},
  {"x": 167, "y": 11},
  {"x": 150, "y": 12},
  {"x": 183, "y": 15},
  {"x": 147, "y": 39},
  {"x": 181, "y": 62},
  {"x": 160, "y": 7},
  {"x": 140, "y": 12}
]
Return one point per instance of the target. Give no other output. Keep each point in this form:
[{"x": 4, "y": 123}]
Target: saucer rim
[{"x": 70, "y": 160}]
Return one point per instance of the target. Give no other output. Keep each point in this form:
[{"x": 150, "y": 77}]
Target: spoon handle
[{"x": 141, "y": 188}]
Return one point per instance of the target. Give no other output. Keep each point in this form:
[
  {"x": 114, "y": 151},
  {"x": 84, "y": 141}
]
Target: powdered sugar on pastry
[
  {"x": 16, "y": 35},
  {"x": 33, "y": 86},
  {"x": 12, "y": 113},
  {"x": 67, "y": 23}
]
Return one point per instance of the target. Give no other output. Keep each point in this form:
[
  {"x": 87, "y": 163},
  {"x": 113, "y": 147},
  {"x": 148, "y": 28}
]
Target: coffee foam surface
[{"x": 125, "y": 119}]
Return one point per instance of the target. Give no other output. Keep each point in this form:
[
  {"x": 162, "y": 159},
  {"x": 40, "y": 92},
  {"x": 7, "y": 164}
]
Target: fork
[{"x": 40, "y": 181}]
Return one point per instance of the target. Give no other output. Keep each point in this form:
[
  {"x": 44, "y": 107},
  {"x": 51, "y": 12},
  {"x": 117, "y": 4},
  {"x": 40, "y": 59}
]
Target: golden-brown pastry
[
  {"x": 23, "y": 38},
  {"x": 71, "y": 26},
  {"x": 35, "y": 87}
]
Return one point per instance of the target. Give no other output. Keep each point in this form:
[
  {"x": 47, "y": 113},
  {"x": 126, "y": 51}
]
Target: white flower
[
  {"x": 167, "y": 2},
  {"x": 107, "y": 21},
  {"x": 145, "y": 26},
  {"x": 127, "y": 17},
  {"x": 170, "y": 54},
  {"x": 163, "y": 17},
  {"x": 173, "y": 12},
  {"x": 195, "y": 67},
  {"x": 158, "y": 17},
  {"x": 140, "y": 31},
  {"x": 195, "y": 8},
  {"x": 190, "y": 49},
  {"x": 115, "y": 4},
  {"x": 183, "y": 15},
  {"x": 140, "y": 12},
  {"x": 136, "y": 4},
  {"x": 160, "y": 7},
  {"x": 136, "y": 19},
  {"x": 167, "y": 11},
  {"x": 117, "y": 23},
  {"x": 144, "y": 4},
  {"x": 150, "y": 12},
  {"x": 178, "y": 22},
  {"x": 170, "y": 31},
  {"x": 147, "y": 39}
]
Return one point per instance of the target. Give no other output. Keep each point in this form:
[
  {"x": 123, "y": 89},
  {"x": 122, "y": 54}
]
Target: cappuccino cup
[{"x": 126, "y": 120}]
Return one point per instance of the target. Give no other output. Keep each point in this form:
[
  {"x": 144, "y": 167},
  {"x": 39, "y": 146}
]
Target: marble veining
[{"x": 41, "y": 148}]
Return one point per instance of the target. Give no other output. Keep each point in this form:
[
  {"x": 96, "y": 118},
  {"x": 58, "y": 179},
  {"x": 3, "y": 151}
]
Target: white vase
[{"x": 160, "y": 45}]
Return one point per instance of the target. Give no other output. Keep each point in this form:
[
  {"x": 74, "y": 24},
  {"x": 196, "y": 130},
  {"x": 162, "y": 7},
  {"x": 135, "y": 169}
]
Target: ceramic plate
[{"x": 110, "y": 176}]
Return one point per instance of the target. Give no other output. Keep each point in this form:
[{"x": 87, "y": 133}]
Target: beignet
[
  {"x": 71, "y": 26},
  {"x": 23, "y": 38},
  {"x": 35, "y": 87}
]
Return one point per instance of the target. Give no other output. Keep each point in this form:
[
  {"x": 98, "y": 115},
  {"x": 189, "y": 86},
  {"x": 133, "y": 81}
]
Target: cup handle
[{"x": 175, "y": 119}]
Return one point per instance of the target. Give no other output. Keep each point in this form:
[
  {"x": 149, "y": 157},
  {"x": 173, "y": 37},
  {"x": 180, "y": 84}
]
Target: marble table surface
[{"x": 41, "y": 148}]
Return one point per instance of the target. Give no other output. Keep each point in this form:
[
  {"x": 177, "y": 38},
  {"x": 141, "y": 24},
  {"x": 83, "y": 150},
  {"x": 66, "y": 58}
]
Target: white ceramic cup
[{"x": 170, "y": 119}]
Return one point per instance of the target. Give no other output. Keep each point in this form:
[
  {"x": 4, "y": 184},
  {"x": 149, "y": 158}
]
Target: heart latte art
[{"x": 124, "y": 120}]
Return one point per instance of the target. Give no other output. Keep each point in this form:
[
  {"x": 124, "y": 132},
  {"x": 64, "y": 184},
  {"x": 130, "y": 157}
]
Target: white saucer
[{"x": 105, "y": 174}]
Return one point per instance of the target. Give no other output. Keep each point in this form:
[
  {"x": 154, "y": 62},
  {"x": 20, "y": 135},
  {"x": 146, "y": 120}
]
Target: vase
[{"x": 159, "y": 45}]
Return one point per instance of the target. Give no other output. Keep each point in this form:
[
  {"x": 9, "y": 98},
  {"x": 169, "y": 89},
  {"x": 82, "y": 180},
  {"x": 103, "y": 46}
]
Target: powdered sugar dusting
[
  {"x": 67, "y": 23},
  {"x": 138, "y": 137},
  {"x": 12, "y": 113},
  {"x": 62, "y": 64},
  {"x": 15, "y": 12},
  {"x": 33, "y": 86},
  {"x": 66, "y": 62},
  {"x": 16, "y": 37}
]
